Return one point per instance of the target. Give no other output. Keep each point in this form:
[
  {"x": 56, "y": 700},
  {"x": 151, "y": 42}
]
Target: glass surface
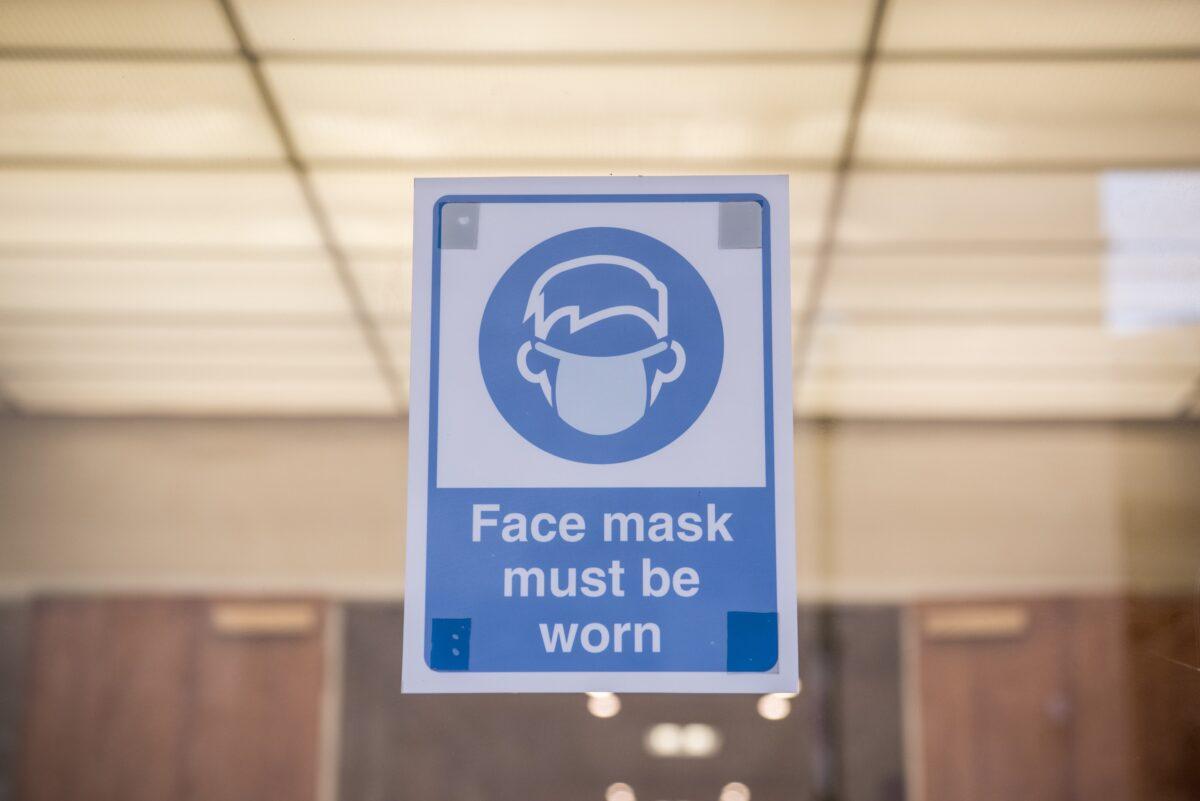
[{"x": 205, "y": 272}]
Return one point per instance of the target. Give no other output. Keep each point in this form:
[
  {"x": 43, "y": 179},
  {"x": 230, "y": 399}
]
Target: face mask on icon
[{"x": 600, "y": 395}]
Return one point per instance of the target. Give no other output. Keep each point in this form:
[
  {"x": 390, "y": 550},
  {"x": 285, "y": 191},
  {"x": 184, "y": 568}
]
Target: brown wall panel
[
  {"x": 141, "y": 699},
  {"x": 13, "y": 636},
  {"x": 256, "y": 716},
  {"x": 991, "y": 714},
  {"x": 1024, "y": 699},
  {"x": 1164, "y": 659},
  {"x": 1102, "y": 759},
  {"x": 108, "y": 715}
]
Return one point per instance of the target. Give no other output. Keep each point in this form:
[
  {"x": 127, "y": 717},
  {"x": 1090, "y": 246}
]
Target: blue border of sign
[{"x": 435, "y": 309}]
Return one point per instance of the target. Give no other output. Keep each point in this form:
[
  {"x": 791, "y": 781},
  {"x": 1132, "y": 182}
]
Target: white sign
[{"x": 600, "y": 437}]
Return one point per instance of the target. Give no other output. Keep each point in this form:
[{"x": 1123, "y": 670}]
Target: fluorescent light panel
[
  {"x": 1014, "y": 112},
  {"x": 704, "y": 112},
  {"x": 971, "y": 208},
  {"x": 983, "y": 398},
  {"x": 978, "y": 348},
  {"x": 1066, "y": 25},
  {"x": 156, "y": 24},
  {"x": 168, "y": 286},
  {"x": 52, "y": 210},
  {"x": 1070, "y": 285},
  {"x": 363, "y": 395},
  {"x": 134, "y": 347},
  {"x": 133, "y": 109},
  {"x": 618, "y": 26}
]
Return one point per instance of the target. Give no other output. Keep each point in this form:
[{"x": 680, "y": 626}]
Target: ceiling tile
[
  {"x": 1032, "y": 113},
  {"x": 1023, "y": 399},
  {"x": 386, "y": 284},
  {"x": 189, "y": 365},
  {"x": 35, "y": 284},
  {"x": 902, "y": 211},
  {"x": 803, "y": 266},
  {"x": 99, "y": 209},
  {"x": 980, "y": 370},
  {"x": 361, "y": 393},
  {"x": 607, "y": 115},
  {"x": 533, "y": 26},
  {"x": 1040, "y": 25},
  {"x": 137, "y": 344},
  {"x": 158, "y": 24},
  {"x": 1126, "y": 292},
  {"x": 131, "y": 109},
  {"x": 972, "y": 287},
  {"x": 940, "y": 209},
  {"x": 372, "y": 209},
  {"x": 990, "y": 349}
]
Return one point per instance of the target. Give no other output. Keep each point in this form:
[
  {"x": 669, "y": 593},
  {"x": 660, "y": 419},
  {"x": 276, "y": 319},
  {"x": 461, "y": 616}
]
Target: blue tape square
[
  {"x": 450, "y": 643},
  {"x": 752, "y": 641}
]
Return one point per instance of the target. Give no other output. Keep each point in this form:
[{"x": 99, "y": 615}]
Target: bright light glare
[
  {"x": 699, "y": 740},
  {"x": 663, "y": 740},
  {"x": 603, "y": 705},
  {"x": 772, "y": 707},
  {"x": 735, "y": 791},
  {"x": 619, "y": 792},
  {"x": 696, "y": 740}
]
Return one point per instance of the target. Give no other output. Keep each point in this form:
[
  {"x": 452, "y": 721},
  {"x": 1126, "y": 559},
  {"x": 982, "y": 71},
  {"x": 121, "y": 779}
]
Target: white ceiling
[{"x": 202, "y": 214}]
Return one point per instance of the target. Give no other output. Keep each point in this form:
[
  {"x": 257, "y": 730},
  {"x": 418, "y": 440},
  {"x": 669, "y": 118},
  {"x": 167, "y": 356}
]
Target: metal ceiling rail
[
  {"x": 823, "y": 261},
  {"x": 1189, "y": 406},
  {"x": 7, "y": 404},
  {"x": 372, "y": 335},
  {"x": 898, "y": 55},
  {"x": 595, "y": 166},
  {"x": 830, "y": 763},
  {"x": 553, "y": 165}
]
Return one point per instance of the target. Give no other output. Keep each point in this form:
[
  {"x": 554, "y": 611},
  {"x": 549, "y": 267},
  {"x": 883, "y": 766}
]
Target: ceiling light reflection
[
  {"x": 619, "y": 792},
  {"x": 772, "y": 707},
  {"x": 603, "y": 705},
  {"x": 735, "y": 791},
  {"x": 662, "y": 740},
  {"x": 695, "y": 740},
  {"x": 699, "y": 740}
]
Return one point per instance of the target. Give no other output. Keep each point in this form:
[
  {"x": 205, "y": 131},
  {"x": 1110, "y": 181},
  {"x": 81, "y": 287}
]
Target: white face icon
[{"x": 599, "y": 395}]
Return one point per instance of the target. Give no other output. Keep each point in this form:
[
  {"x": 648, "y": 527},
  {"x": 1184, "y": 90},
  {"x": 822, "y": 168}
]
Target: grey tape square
[
  {"x": 739, "y": 225},
  {"x": 460, "y": 226}
]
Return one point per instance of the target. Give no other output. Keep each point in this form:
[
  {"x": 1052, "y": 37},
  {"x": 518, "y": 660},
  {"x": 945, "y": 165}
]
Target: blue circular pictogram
[{"x": 601, "y": 345}]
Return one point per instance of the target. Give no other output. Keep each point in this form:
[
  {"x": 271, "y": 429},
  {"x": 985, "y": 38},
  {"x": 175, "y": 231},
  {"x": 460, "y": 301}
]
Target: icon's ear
[
  {"x": 541, "y": 377},
  {"x": 661, "y": 378}
]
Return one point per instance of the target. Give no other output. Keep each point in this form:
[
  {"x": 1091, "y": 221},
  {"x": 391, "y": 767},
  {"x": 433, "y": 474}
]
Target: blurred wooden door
[
  {"x": 1023, "y": 701},
  {"x": 159, "y": 700},
  {"x": 1165, "y": 659}
]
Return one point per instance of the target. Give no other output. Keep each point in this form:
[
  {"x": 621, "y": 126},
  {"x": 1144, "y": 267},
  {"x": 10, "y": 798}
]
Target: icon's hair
[{"x": 543, "y": 322}]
